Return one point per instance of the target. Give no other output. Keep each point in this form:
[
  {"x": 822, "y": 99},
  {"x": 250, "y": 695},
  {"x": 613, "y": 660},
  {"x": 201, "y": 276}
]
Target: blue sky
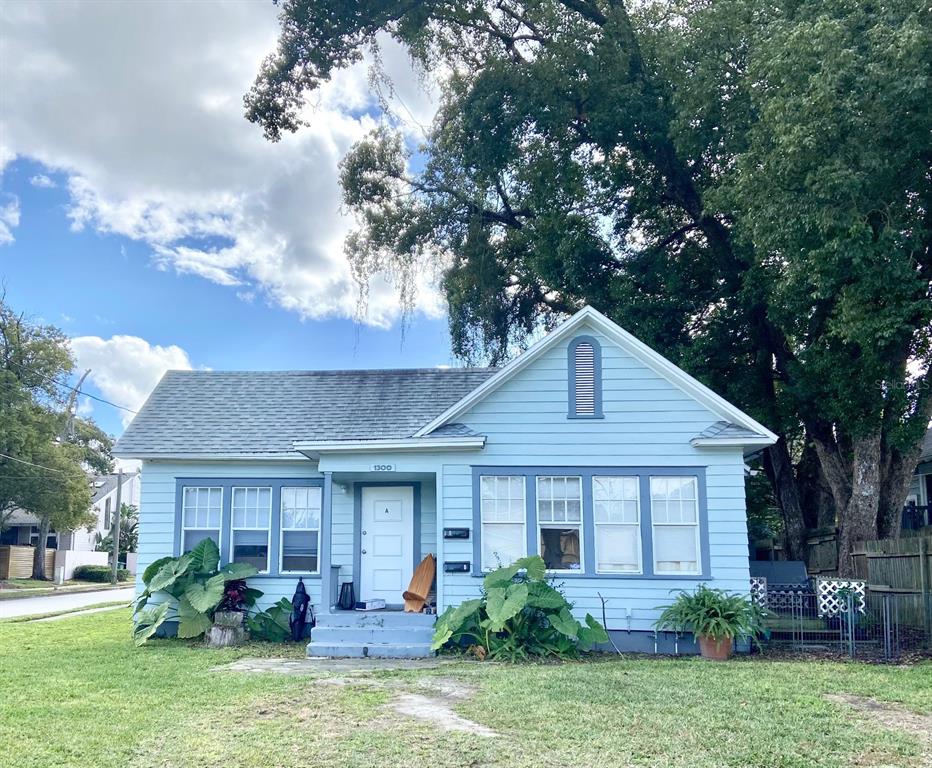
[{"x": 142, "y": 214}]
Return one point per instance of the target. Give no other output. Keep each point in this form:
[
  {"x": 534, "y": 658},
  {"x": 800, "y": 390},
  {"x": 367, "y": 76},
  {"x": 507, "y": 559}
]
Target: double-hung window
[
  {"x": 559, "y": 522},
  {"x": 251, "y": 527},
  {"x": 300, "y": 530},
  {"x": 201, "y": 511},
  {"x": 674, "y": 503},
  {"x": 502, "y": 517},
  {"x": 617, "y": 522}
]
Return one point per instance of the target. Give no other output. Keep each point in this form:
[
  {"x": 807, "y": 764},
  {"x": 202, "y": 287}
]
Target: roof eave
[
  {"x": 204, "y": 456},
  {"x": 314, "y": 448}
]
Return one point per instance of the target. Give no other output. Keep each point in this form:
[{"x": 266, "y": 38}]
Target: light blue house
[{"x": 622, "y": 471}]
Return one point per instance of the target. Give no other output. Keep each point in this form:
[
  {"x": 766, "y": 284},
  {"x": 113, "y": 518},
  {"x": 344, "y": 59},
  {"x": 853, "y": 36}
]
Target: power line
[
  {"x": 73, "y": 389},
  {"x": 29, "y": 463}
]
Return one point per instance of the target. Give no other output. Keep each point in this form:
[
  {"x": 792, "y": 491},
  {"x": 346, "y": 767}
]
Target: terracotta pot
[{"x": 717, "y": 650}]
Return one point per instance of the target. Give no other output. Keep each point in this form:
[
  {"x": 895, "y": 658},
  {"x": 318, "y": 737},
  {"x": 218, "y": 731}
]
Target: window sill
[
  {"x": 263, "y": 576},
  {"x": 611, "y": 576}
]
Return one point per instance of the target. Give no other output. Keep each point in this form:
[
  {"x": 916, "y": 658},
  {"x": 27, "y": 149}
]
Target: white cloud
[
  {"x": 126, "y": 368},
  {"x": 139, "y": 105},
  {"x": 42, "y": 181},
  {"x": 9, "y": 219}
]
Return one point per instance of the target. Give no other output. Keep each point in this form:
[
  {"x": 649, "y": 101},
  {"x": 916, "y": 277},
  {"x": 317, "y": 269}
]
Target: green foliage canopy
[{"x": 744, "y": 185}]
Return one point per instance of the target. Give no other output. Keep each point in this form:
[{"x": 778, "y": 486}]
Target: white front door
[{"x": 387, "y": 542}]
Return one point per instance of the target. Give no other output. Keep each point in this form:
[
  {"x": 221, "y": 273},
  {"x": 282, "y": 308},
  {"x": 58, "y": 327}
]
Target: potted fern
[{"x": 715, "y": 618}]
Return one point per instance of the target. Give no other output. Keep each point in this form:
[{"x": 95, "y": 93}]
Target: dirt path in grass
[
  {"x": 891, "y": 716},
  {"x": 432, "y": 701}
]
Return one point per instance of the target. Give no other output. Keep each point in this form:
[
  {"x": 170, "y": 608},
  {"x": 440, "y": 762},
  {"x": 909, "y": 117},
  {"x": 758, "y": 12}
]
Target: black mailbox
[{"x": 456, "y": 566}]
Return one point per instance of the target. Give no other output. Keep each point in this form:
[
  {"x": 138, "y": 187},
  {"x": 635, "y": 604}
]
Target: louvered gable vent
[
  {"x": 585, "y": 363},
  {"x": 585, "y": 379}
]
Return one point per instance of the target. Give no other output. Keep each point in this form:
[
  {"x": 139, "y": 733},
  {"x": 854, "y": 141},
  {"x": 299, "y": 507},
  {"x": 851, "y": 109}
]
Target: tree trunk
[
  {"x": 779, "y": 469},
  {"x": 898, "y": 474},
  {"x": 815, "y": 496},
  {"x": 38, "y": 557},
  {"x": 859, "y": 523}
]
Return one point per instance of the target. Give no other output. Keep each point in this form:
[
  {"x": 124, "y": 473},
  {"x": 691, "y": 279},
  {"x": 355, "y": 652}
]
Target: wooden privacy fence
[
  {"x": 902, "y": 567},
  {"x": 16, "y": 562}
]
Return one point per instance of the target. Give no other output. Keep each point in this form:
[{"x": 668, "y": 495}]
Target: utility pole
[{"x": 116, "y": 528}]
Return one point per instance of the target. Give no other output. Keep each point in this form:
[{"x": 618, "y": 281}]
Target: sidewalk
[{"x": 29, "y": 606}]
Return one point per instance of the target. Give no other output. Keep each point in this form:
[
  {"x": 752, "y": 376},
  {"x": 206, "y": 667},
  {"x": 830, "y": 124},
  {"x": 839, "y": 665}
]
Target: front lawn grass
[{"x": 77, "y": 693}]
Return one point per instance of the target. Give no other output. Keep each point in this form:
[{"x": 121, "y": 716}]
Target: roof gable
[{"x": 746, "y": 428}]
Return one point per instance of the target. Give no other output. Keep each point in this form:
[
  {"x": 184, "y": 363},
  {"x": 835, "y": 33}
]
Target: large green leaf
[
  {"x": 542, "y": 595},
  {"x": 191, "y": 622},
  {"x": 153, "y": 568},
  {"x": 205, "y": 557},
  {"x": 534, "y": 565},
  {"x": 453, "y": 621},
  {"x": 272, "y": 624},
  {"x": 564, "y": 623},
  {"x": 172, "y": 571},
  {"x": 503, "y": 604},
  {"x": 593, "y": 633},
  {"x": 147, "y": 622},
  {"x": 238, "y": 571},
  {"x": 205, "y": 595}
]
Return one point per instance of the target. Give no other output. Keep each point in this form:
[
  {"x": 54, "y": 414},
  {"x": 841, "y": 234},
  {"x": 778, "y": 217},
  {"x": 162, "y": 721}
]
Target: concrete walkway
[{"x": 29, "y": 606}]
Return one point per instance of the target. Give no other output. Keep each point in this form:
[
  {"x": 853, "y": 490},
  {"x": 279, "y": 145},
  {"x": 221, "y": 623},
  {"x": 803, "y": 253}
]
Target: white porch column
[{"x": 326, "y": 555}]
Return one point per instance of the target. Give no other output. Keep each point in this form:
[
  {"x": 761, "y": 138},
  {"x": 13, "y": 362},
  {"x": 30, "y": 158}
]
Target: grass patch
[{"x": 77, "y": 693}]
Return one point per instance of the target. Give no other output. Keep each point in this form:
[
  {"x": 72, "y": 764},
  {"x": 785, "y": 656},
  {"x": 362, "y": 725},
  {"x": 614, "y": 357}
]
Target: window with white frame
[
  {"x": 250, "y": 528},
  {"x": 617, "y": 522},
  {"x": 201, "y": 511},
  {"x": 559, "y": 522},
  {"x": 300, "y": 530},
  {"x": 674, "y": 504},
  {"x": 502, "y": 518}
]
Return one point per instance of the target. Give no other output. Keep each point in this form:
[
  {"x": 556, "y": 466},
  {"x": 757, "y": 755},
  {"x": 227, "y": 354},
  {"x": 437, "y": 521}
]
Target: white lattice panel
[
  {"x": 759, "y": 590},
  {"x": 831, "y": 603}
]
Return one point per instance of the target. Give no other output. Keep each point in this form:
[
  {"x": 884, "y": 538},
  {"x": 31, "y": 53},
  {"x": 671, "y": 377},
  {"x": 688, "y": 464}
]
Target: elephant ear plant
[
  {"x": 715, "y": 618},
  {"x": 518, "y": 616},
  {"x": 197, "y": 588}
]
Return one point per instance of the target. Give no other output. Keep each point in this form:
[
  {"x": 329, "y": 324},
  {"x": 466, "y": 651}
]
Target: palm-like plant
[{"x": 713, "y": 613}]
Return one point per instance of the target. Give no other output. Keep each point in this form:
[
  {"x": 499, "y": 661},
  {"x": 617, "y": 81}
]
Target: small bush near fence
[{"x": 100, "y": 573}]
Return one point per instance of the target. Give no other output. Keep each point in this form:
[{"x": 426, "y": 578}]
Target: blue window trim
[
  {"x": 276, "y": 484},
  {"x": 586, "y": 473},
  {"x": 357, "y": 523},
  {"x": 597, "y": 378}
]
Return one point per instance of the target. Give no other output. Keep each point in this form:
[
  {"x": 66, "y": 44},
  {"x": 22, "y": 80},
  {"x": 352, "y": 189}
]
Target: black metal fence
[{"x": 862, "y": 624}]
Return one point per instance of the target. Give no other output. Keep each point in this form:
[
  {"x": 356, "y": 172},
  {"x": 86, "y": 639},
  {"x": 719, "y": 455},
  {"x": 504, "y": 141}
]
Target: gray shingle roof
[
  {"x": 724, "y": 430},
  {"x": 926, "y": 454},
  {"x": 245, "y": 412}
]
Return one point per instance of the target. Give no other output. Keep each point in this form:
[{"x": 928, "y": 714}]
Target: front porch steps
[{"x": 373, "y": 634}]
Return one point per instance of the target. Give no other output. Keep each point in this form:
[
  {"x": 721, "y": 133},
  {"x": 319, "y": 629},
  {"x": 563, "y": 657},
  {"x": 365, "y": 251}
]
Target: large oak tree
[{"x": 743, "y": 184}]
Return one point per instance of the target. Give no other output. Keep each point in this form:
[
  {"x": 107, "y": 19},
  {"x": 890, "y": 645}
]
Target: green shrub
[
  {"x": 99, "y": 573},
  {"x": 196, "y": 587},
  {"x": 518, "y": 616},
  {"x": 713, "y": 613},
  {"x": 272, "y": 624}
]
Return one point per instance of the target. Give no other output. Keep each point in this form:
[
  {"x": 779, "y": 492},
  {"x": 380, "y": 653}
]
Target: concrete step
[
  {"x": 393, "y": 619},
  {"x": 370, "y": 650},
  {"x": 362, "y": 635}
]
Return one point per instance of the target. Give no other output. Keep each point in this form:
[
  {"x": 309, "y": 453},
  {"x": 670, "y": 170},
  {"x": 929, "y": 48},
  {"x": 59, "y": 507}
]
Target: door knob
[
  {"x": 363, "y": 533},
  {"x": 364, "y": 551}
]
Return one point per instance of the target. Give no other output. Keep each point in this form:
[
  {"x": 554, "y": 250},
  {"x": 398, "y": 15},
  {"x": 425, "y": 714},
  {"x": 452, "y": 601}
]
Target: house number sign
[{"x": 383, "y": 467}]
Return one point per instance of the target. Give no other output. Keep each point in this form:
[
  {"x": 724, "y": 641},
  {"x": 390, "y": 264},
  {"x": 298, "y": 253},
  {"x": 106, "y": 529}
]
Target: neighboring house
[
  {"x": 920, "y": 490},
  {"x": 23, "y": 527},
  {"x": 77, "y": 547},
  {"x": 103, "y": 505},
  {"x": 622, "y": 471}
]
